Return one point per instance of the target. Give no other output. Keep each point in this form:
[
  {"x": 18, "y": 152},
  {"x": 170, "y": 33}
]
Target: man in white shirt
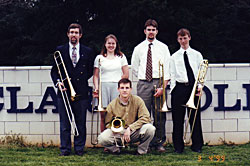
[
  {"x": 184, "y": 68},
  {"x": 145, "y": 66}
]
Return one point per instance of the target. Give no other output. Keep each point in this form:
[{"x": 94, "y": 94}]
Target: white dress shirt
[
  {"x": 177, "y": 66},
  {"x": 77, "y": 51},
  {"x": 159, "y": 52}
]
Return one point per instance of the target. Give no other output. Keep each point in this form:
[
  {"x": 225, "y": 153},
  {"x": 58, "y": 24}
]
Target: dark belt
[
  {"x": 150, "y": 81},
  {"x": 183, "y": 83}
]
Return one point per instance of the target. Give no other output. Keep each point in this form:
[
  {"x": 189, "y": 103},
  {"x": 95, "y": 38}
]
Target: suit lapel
[
  {"x": 81, "y": 54},
  {"x": 67, "y": 59}
]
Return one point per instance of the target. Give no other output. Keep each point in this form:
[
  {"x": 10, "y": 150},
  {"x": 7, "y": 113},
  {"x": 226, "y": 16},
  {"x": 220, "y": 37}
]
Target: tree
[{"x": 31, "y": 29}]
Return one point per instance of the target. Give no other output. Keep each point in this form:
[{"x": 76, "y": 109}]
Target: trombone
[
  {"x": 200, "y": 79},
  {"x": 162, "y": 99},
  {"x": 59, "y": 61},
  {"x": 94, "y": 141}
]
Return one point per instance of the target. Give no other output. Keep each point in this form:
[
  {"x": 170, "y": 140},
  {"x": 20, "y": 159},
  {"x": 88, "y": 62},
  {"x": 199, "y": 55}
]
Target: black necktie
[{"x": 190, "y": 72}]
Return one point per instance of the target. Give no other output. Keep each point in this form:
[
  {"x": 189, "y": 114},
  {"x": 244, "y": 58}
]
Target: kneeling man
[{"x": 132, "y": 111}]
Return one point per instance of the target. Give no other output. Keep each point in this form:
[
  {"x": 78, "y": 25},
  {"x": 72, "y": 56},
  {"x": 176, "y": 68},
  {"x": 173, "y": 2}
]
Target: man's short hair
[
  {"x": 75, "y": 25},
  {"x": 151, "y": 22},
  {"x": 183, "y": 32},
  {"x": 124, "y": 81}
]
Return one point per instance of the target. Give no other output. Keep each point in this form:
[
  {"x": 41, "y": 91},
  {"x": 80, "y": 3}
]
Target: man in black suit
[{"x": 78, "y": 60}]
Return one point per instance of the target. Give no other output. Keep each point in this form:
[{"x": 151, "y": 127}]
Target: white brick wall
[
  {"x": 29, "y": 117},
  {"x": 15, "y": 76},
  {"x": 236, "y": 137},
  {"x": 1, "y": 76},
  {"x": 224, "y": 125},
  {"x": 214, "y": 138},
  {"x": 244, "y": 125},
  {"x": 17, "y": 127},
  {"x": 218, "y": 73},
  {"x": 29, "y": 89},
  {"x": 5, "y": 117},
  {"x": 34, "y": 139},
  {"x": 39, "y": 76},
  {"x": 42, "y": 128},
  {"x": 37, "y": 128},
  {"x": 1, "y": 127}
]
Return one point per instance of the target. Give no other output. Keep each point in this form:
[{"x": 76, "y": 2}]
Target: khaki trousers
[{"x": 144, "y": 135}]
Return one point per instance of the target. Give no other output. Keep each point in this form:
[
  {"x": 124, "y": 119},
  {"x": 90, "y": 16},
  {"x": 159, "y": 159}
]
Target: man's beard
[
  {"x": 151, "y": 38},
  {"x": 73, "y": 41}
]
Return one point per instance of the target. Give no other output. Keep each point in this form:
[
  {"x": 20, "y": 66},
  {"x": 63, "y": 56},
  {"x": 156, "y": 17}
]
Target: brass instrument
[
  {"x": 163, "y": 103},
  {"x": 162, "y": 99},
  {"x": 200, "y": 79},
  {"x": 59, "y": 61},
  {"x": 98, "y": 109},
  {"x": 117, "y": 127},
  {"x": 58, "y": 58}
]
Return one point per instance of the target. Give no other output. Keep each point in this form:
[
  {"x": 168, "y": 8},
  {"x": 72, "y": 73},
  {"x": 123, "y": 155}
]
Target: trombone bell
[
  {"x": 190, "y": 104},
  {"x": 164, "y": 107},
  {"x": 117, "y": 125}
]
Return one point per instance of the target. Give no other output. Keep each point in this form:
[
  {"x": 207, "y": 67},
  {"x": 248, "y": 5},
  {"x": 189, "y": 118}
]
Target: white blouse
[{"x": 111, "y": 69}]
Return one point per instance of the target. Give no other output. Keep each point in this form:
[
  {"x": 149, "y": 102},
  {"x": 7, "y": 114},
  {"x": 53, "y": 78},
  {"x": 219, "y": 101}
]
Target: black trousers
[{"x": 179, "y": 97}]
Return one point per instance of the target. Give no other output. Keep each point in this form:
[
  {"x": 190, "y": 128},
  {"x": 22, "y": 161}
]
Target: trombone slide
[{"x": 100, "y": 107}]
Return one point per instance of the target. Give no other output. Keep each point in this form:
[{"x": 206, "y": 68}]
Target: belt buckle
[{"x": 186, "y": 83}]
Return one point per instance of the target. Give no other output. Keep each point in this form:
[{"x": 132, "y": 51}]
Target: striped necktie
[
  {"x": 149, "y": 64},
  {"x": 74, "y": 57}
]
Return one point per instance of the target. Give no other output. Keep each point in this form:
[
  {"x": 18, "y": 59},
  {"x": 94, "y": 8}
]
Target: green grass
[{"x": 211, "y": 155}]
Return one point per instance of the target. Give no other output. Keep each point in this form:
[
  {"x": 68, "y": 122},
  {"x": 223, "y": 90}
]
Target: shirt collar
[
  {"x": 154, "y": 41},
  {"x": 187, "y": 50},
  {"x": 71, "y": 46},
  {"x": 122, "y": 103}
]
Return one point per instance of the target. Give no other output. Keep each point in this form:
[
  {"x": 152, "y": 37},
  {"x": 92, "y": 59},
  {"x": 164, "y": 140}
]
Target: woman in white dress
[{"x": 114, "y": 66}]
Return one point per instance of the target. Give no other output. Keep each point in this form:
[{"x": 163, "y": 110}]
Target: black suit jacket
[{"x": 79, "y": 74}]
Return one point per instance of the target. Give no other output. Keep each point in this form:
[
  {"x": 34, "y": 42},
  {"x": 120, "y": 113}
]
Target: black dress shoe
[
  {"x": 79, "y": 153},
  {"x": 64, "y": 154},
  {"x": 139, "y": 154},
  {"x": 149, "y": 150},
  {"x": 115, "y": 153},
  {"x": 196, "y": 150},
  {"x": 178, "y": 151},
  {"x": 110, "y": 152}
]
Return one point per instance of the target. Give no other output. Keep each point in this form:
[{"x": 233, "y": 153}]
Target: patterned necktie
[
  {"x": 149, "y": 64},
  {"x": 190, "y": 73},
  {"x": 74, "y": 57}
]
